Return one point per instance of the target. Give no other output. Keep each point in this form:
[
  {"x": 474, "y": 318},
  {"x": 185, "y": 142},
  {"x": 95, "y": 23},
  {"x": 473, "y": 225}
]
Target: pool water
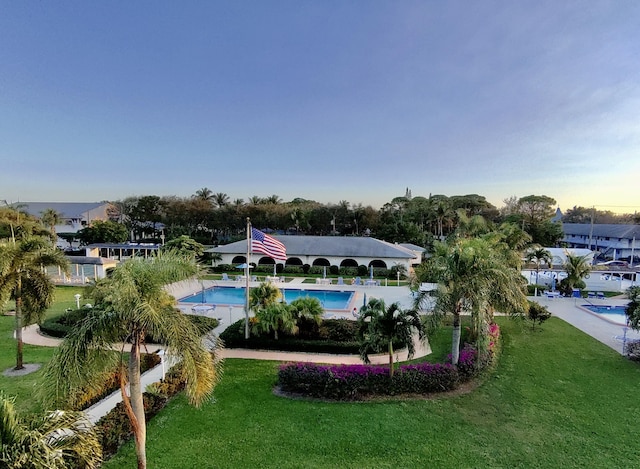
[
  {"x": 614, "y": 313},
  {"x": 338, "y": 300}
]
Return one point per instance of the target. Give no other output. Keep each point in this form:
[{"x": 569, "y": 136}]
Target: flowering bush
[{"x": 352, "y": 382}]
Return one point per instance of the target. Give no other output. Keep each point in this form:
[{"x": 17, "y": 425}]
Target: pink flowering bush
[{"x": 353, "y": 382}]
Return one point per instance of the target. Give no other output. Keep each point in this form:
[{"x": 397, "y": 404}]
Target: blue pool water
[
  {"x": 236, "y": 296},
  {"x": 612, "y": 312}
]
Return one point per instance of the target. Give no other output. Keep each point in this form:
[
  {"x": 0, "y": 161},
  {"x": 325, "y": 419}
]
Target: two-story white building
[{"x": 609, "y": 241}]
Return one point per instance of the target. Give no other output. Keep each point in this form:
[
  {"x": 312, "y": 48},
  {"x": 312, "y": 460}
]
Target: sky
[{"x": 324, "y": 100}]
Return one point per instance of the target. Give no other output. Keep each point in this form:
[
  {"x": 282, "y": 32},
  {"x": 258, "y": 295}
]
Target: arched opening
[
  {"x": 348, "y": 263},
  {"x": 321, "y": 262}
]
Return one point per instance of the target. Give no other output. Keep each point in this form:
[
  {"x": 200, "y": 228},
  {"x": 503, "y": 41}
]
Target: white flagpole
[{"x": 246, "y": 275}]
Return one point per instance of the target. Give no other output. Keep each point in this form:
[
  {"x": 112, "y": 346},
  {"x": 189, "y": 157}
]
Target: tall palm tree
[
  {"x": 22, "y": 279},
  {"x": 53, "y": 440},
  {"x": 205, "y": 194},
  {"x": 474, "y": 275},
  {"x": 220, "y": 199},
  {"x": 129, "y": 306},
  {"x": 380, "y": 326},
  {"x": 539, "y": 255}
]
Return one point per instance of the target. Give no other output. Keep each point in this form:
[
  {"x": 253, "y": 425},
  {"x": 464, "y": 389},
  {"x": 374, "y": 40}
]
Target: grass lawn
[
  {"x": 558, "y": 398},
  {"x": 25, "y": 387}
]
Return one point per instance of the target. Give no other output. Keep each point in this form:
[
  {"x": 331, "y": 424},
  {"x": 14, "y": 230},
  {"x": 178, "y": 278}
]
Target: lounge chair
[
  {"x": 357, "y": 281},
  {"x": 225, "y": 277},
  {"x": 600, "y": 295},
  {"x": 340, "y": 281}
]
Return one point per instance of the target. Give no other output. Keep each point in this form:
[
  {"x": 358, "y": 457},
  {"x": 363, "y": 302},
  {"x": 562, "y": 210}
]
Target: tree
[
  {"x": 264, "y": 295},
  {"x": 577, "y": 268},
  {"x": 539, "y": 255},
  {"x": 205, "y": 194},
  {"x": 50, "y": 218},
  {"x": 55, "y": 440},
  {"x": 275, "y": 317},
  {"x": 128, "y": 306},
  {"x": 633, "y": 307},
  {"x": 185, "y": 245},
  {"x": 23, "y": 280},
  {"x": 380, "y": 326},
  {"x": 475, "y": 275},
  {"x": 307, "y": 308},
  {"x": 103, "y": 232}
]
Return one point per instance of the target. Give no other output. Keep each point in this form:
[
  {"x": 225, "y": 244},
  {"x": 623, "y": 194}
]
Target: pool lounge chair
[
  {"x": 340, "y": 281},
  {"x": 600, "y": 295},
  {"x": 357, "y": 281},
  {"x": 225, "y": 277}
]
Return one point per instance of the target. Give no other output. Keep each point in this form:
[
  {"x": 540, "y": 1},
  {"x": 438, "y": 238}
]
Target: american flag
[{"x": 268, "y": 245}]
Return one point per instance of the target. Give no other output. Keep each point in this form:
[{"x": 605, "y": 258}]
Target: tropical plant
[
  {"x": 380, "y": 326},
  {"x": 577, "y": 268},
  {"x": 539, "y": 255},
  {"x": 475, "y": 275},
  {"x": 537, "y": 314},
  {"x": 103, "y": 232},
  {"x": 307, "y": 308},
  {"x": 55, "y": 440},
  {"x": 275, "y": 317},
  {"x": 50, "y": 218},
  {"x": 185, "y": 245},
  {"x": 264, "y": 295},
  {"x": 128, "y": 306},
  {"x": 633, "y": 307},
  {"x": 22, "y": 279}
]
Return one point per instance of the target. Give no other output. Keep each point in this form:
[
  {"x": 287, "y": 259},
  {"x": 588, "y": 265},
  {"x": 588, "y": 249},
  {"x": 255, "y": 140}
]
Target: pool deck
[{"x": 607, "y": 332}]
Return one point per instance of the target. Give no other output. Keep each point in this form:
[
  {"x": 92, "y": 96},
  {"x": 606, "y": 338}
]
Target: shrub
[
  {"x": 632, "y": 350},
  {"x": 537, "y": 314},
  {"x": 353, "y": 382}
]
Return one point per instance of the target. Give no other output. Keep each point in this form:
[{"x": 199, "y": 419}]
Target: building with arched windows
[{"x": 341, "y": 251}]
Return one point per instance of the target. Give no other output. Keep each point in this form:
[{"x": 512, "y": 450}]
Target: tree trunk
[
  {"x": 137, "y": 403},
  {"x": 19, "y": 359},
  {"x": 455, "y": 339},
  {"x": 391, "y": 359}
]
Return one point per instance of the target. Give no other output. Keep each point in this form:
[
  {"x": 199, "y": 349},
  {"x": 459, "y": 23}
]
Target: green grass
[
  {"x": 25, "y": 388},
  {"x": 558, "y": 398}
]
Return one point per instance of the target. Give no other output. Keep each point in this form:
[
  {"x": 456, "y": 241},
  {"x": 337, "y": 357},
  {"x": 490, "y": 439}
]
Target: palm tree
[
  {"x": 381, "y": 326},
  {"x": 577, "y": 268},
  {"x": 53, "y": 440},
  {"x": 220, "y": 199},
  {"x": 205, "y": 194},
  {"x": 308, "y": 308},
  {"x": 129, "y": 306},
  {"x": 474, "y": 275},
  {"x": 264, "y": 295},
  {"x": 539, "y": 255},
  {"x": 274, "y": 317},
  {"x": 22, "y": 279},
  {"x": 51, "y": 218}
]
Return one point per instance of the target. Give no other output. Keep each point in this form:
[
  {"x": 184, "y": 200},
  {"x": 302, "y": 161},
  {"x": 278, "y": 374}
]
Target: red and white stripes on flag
[{"x": 268, "y": 245}]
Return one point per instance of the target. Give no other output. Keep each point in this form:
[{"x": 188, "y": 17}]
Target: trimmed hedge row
[
  {"x": 356, "y": 382},
  {"x": 115, "y": 429},
  {"x": 338, "y": 336},
  {"x": 61, "y": 325}
]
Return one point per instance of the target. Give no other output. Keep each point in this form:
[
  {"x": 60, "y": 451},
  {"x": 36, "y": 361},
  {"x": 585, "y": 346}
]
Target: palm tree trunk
[
  {"x": 19, "y": 344},
  {"x": 391, "y": 359},
  {"x": 455, "y": 338},
  {"x": 137, "y": 403}
]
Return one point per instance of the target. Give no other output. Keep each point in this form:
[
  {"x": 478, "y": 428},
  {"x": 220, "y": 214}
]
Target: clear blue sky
[{"x": 325, "y": 100}]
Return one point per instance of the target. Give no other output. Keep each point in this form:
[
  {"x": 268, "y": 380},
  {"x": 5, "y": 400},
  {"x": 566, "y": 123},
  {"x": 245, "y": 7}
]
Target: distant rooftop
[{"x": 67, "y": 210}]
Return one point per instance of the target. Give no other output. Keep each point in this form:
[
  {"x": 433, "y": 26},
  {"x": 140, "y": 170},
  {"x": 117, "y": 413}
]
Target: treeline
[{"x": 213, "y": 218}]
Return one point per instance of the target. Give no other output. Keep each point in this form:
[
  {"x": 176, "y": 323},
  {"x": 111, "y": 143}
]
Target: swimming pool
[
  {"x": 335, "y": 300},
  {"x": 609, "y": 312}
]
